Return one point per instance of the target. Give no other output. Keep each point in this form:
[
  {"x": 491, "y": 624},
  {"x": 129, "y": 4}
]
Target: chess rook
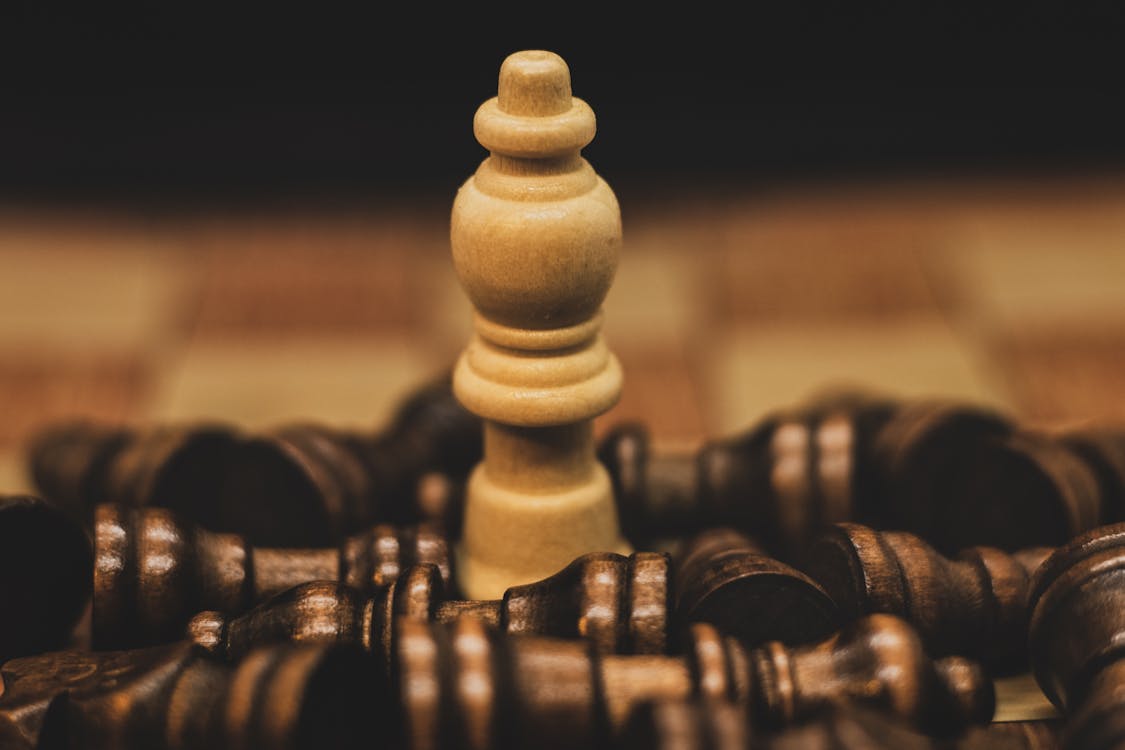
[
  {"x": 724, "y": 578},
  {"x": 974, "y": 604},
  {"x": 1076, "y": 636},
  {"x": 535, "y": 234},
  {"x": 153, "y": 571},
  {"x": 463, "y": 685},
  {"x": 278, "y": 698},
  {"x": 46, "y": 566}
]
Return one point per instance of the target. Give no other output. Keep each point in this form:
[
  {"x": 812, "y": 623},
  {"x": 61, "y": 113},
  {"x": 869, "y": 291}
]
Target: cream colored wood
[{"x": 535, "y": 235}]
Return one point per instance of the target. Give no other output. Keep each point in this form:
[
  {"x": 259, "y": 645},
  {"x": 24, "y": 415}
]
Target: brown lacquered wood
[
  {"x": 281, "y": 697},
  {"x": 1077, "y": 636},
  {"x": 46, "y": 569},
  {"x": 973, "y": 604},
  {"x": 465, "y": 679},
  {"x": 299, "y": 484},
  {"x": 725, "y": 578},
  {"x": 789, "y": 473},
  {"x": 153, "y": 570},
  {"x": 616, "y": 604}
]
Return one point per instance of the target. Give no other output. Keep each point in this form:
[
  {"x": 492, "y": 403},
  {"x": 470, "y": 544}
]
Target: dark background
[{"x": 194, "y": 105}]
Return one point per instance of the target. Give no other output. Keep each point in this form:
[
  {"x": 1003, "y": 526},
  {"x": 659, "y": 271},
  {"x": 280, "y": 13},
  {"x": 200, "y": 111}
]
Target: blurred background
[{"x": 243, "y": 214}]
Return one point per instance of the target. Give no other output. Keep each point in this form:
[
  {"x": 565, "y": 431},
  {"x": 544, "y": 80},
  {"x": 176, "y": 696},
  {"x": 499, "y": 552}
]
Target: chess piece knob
[{"x": 154, "y": 571}]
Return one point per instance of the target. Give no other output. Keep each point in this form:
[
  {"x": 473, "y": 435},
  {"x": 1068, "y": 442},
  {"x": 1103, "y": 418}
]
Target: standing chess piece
[{"x": 535, "y": 236}]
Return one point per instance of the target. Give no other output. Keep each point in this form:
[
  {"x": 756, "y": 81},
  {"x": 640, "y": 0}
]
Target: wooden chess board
[{"x": 728, "y": 303}]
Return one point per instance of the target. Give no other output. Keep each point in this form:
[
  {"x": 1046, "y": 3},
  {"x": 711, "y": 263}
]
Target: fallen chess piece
[
  {"x": 956, "y": 474},
  {"x": 46, "y": 571},
  {"x": 154, "y": 571},
  {"x": 974, "y": 605},
  {"x": 1076, "y": 636},
  {"x": 463, "y": 682},
  {"x": 618, "y": 604},
  {"x": 726, "y": 579},
  {"x": 300, "y": 484},
  {"x": 285, "y": 697}
]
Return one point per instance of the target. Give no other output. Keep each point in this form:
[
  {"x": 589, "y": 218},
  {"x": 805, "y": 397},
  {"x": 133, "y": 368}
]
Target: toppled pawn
[
  {"x": 960, "y": 475},
  {"x": 795, "y": 470},
  {"x": 724, "y": 578},
  {"x": 278, "y": 698},
  {"x": 617, "y": 604},
  {"x": 464, "y": 684},
  {"x": 1077, "y": 636},
  {"x": 154, "y": 571},
  {"x": 974, "y": 604},
  {"x": 290, "y": 485},
  {"x": 46, "y": 569}
]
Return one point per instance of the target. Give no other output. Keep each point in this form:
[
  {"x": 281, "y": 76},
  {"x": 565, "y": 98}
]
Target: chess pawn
[
  {"x": 46, "y": 566},
  {"x": 724, "y": 578},
  {"x": 795, "y": 470},
  {"x": 617, "y": 604},
  {"x": 154, "y": 571},
  {"x": 298, "y": 484},
  {"x": 960, "y": 476},
  {"x": 1076, "y": 633},
  {"x": 535, "y": 235},
  {"x": 464, "y": 685},
  {"x": 974, "y": 604},
  {"x": 277, "y": 698}
]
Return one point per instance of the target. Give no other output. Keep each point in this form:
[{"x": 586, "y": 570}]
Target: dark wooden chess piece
[
  {"x": 974, "y": 604},
  {"x": 961, "y": 475},
  {"x": 1102, "y": 446},
  {"x": 725, "y": 578},
  {"x": 278, "y": 698},
  {"x": 299, "y": 484},
  {"x": 46, "y": 569},
  {"x": 154, "y": 571},
  {"x": 793, "y": 471},
  {"x": 465, "y": 685},
  {"x": 618, "y": 604},
  {"x": 1077, "y": 636}
]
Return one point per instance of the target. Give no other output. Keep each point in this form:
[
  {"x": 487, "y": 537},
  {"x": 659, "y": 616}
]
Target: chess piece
[
  {"x": 282, "y": 697},
  {"x": 46, "y": 566},
  {"x": 153, "y": 571},
  {"x": 465, "y": 682},
  {"x": 1102, "y": 446},
  {"x": 974, "y": 604},
  {"x": 724, "y": 578},
  {"x": 796, "y": 469},
  {"x": 298, "y": 484},
  {"x": 1076, "y": 633},
  {"x": 960, "y": 476},
  {"x": 535, "y": 235},
  {"x": 618, "y": 604}
]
